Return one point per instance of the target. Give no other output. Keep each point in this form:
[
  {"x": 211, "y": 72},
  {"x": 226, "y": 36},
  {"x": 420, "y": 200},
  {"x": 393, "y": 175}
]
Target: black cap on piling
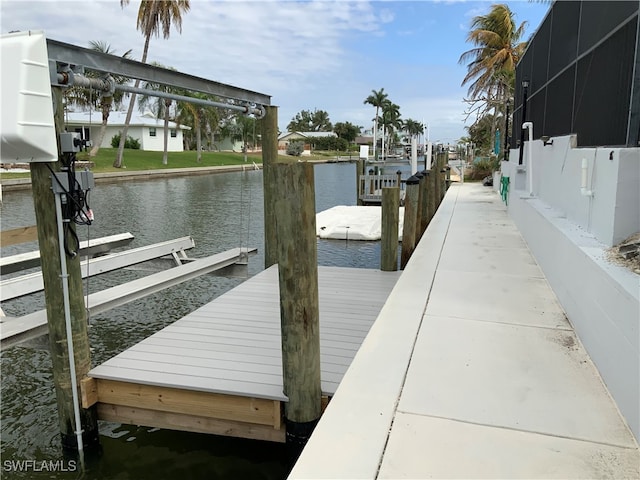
[
  {"x": 418, "y": 175},
  {"x": 412, "y": 180}
]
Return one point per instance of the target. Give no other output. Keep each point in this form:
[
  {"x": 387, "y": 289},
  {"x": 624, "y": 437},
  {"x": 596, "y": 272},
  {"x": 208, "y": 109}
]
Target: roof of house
[
  {"x": 307, "y": 134},
  {"x": 117, "y": 118}
]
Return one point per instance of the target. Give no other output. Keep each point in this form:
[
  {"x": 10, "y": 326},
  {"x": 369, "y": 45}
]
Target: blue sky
[{"x": 327, "y": 55}]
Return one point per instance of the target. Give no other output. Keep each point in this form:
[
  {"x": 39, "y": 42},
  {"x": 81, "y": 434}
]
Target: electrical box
[
  {"x": 70, "y": 142},
  {"x": 27, "y": 130}
]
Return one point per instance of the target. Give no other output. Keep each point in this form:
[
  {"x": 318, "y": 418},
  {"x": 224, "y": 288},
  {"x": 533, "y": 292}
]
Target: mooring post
[
  {"x": 443, "y": 177},
  {"x": 269, "y": 157},
  {"x": 299, "y": 310},
  {"x": 440, "y": 177},
  {"x": 390, "y": 218},
  {"x": 410, "y": 218},
  {"x": 431, "y": 194},
  {"x": 359, "y": 186},
  {"x": 424, "y": 202},
  {"x": 49, "y": 245},
  {"x": 421, "y": 180},
  {"x": 447, "y": 177},
  {"x": 399, "y": 180},
  {"x": 371, "y": 178}
]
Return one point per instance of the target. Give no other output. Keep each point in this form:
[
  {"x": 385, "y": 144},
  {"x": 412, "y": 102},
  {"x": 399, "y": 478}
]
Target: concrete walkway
[{"x": 471, "y": 370}]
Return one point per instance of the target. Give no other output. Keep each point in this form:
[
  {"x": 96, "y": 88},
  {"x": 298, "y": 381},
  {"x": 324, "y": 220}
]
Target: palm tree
[
  {"x": 160, "y": 106},
  {"x": 491, "y": 64},
  {"x": 413, "y": 127},
  {"x": 197, "y": 117},
  {"x": 390, "y": 120},
  {"x": 240, "y": 127},
  {"x": 153, "y": 16},
  {"x": 84, "y": 98},
  {"x": 376, "y": 99},
  {"x": 246, "y": 128}
]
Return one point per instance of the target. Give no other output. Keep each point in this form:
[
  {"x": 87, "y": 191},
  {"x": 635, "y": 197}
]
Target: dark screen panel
[
  {"x": 559, "y": 106},
  {"x": 592, "y": 98},
  {"x": 536, "y": 112},
  {"x": 564, "y": 36},
  {"x": 541, "y": 55},
  {"x": 600, "y": 17},
  {"x": 603, "y": 90}
]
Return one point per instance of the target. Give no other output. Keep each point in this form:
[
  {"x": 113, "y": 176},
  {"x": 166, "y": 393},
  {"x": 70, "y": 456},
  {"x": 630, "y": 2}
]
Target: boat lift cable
[
  {"x": 108, "y": 85},
  {"x": 241, "y": 223},
  {"x": 249, "y": 215}
]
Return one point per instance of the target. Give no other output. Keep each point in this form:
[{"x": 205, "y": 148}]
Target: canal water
[{"x": 219, "y": 211}]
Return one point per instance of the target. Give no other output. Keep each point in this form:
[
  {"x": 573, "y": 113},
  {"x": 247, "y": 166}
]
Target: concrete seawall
[
  {"x": 138, "y": 175},
  {"x": 471, "y": 370}
]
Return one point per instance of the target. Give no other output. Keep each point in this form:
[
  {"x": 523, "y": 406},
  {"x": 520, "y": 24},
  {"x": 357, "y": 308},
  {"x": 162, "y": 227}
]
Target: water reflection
[{"x": 220, "y": 212}]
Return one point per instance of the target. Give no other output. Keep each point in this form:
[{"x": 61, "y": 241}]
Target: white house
[{"x": 146, "y": 128}]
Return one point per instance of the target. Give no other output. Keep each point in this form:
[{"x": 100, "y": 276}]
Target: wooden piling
[
  {"x": 359, "y": 187},
  {"x": 442, "y": 161},
  {"x": 389, "y": 239},
  {"x": 420, "y": 177},
  {"x": 47, "y": 227},
  {"x": 372, "y": 189},
  {"x": 410, "y": 217},
  {"x": 432, "y": 204},
  {"x": 443, "y": 179},
  {"x": 298, "y": 279},
  {"x": 424, "y": 202},
  {"x": 269, "y": 157}
]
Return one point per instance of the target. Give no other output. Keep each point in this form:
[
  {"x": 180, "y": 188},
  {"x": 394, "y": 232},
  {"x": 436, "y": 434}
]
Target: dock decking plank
[{"x": 232, "y": 345}]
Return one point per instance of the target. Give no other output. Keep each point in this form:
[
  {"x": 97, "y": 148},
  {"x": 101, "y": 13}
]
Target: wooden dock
[{"x": 219, "y": 369}]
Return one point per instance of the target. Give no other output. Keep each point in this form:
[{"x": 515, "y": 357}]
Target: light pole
[{"x": 525, "y": 87}]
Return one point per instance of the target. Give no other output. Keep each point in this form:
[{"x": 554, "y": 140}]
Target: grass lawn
[{"x": 140, "y": 160}]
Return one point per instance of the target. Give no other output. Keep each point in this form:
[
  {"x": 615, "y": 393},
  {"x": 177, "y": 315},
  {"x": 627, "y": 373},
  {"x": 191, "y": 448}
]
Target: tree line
[
  {"x": 490, "y": 77},
  {"x": 155, "y": 18},
  {"x": 387, "y": 130}
]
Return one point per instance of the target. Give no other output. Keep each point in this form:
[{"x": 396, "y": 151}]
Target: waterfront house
[{"x": 145, "y": 128}]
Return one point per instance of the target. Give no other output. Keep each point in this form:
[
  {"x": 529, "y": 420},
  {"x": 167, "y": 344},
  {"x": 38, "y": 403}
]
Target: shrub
[
  {"x": 330, "y": 143},
  {"x": 295, "y": 148},
  {"x": 130, "y": 142},
  {"x": 484, "y": 166}
]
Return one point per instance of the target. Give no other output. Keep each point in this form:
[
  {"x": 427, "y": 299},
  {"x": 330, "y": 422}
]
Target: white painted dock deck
[
  {"x": 471, "y": 370},
  {"x": 232, "y": 345}
]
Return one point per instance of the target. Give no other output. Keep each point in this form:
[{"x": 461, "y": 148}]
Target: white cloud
[{"x": 301, "y": 53}]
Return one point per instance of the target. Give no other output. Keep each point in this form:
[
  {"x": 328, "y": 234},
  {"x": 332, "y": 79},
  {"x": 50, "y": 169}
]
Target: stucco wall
[
  {"x": 156, "y": 143},
  {"x": 569, "y": 234},
  {"x": 142, "y": 134},
  {"x": 612, "y": 212}
]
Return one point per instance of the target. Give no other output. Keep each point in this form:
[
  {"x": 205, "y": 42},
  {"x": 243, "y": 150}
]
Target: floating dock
[
  {"x": 219, "y": 369},
  {"x": 353, "y": 223}
]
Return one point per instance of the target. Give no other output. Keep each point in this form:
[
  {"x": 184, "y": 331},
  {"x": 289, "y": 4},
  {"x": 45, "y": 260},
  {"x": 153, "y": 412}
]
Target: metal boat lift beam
[
  {"x": 33, "y": 282},
  {"x": 74, "y": 55},
  {"x": 90, "y": 248},
  {"x": 17, "y": 330}
]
